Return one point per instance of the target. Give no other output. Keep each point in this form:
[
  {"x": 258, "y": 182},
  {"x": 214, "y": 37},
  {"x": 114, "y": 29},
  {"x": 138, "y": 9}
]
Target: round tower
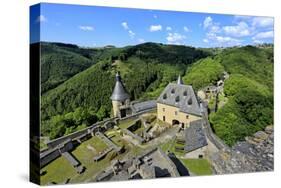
[{"x": 120, "y": 98}]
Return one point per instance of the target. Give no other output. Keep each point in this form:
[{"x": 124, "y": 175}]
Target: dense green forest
[
  {"x": 77, "y": 83},
  {"x": 250, "y": 93}
]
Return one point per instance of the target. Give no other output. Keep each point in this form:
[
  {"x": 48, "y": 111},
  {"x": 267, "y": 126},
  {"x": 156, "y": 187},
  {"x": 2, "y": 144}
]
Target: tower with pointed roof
[
  {"x": 179, "y": 81},
  {"x": 120, "y": 98}
]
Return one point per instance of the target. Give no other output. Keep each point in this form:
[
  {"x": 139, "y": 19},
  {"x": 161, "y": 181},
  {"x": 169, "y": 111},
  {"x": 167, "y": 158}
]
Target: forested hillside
[
  {"x": 249, "y": 90},
  {"x": 250, "y": 93},
  {"x": 80, "y": 100}
]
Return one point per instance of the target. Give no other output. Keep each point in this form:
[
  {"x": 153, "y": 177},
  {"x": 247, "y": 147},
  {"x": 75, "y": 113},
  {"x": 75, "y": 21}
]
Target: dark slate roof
[
  {"x": 142, "y": 106},
  {"x": 194, "y": 136},
  {"x": 182, "y": 97},
  {"x": 119, "y": 93},
  {"x": 179, "y": 81}
]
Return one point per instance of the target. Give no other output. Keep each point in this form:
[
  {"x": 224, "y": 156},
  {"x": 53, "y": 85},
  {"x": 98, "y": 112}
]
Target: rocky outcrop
[{"x": 255, "y": 154}]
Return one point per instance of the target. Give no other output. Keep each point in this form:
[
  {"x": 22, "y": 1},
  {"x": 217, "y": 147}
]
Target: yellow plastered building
[{"x": 178, "y": 104}]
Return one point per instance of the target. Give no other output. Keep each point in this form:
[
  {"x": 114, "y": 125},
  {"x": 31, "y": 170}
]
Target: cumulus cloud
[
  {"x": 154, "y": 28},
  {"x": 175, "y": 38},
  {"x": 131, "y": 34},
  {"x": 257, "y": 41},
  {"x": 207, "y": 22},
  {"x": 256, "y": 22},
  {"x": 240, "y": 30},
  {"x": 125, "y": 25},
  {"x": 206, "y": 40},
  {"x": 220, "y": 40},
  {"x": 41, "y": 18},
  {"x": 263, "y": 35},
  {"x": 168, "y": 28},
  {"x": 127, "y": 28},
  {"x": 86, "y": 28},
  {"x": 262, "y": 22},
  {"x": 215, "y": 29},
  {"x": 186, "y": 29},
  {"x": 141, "y": 40}
]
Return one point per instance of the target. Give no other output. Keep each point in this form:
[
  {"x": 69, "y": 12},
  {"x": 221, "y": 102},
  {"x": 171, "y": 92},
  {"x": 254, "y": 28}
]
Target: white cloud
[
  {"x": 175, "y": 38},
  {"x": 215, "y": 29},
  {"x": 219, "y": 40},
  {"x": 41, "y": 18},
  {"x": 262, "y": 22},
  {"x": 186, "y": 29},
  {"x": 257, "y": 41},
  {"x": 207, "y": 22},
  {"x": 141, "y": 40},
  {"x": 154, "y": 28},
  {"x": 125, "y": 25},
  {"x": 168, "y": 28},
  {"x": 263, "y": 35},
  {"x": 127, "y": 28},
  {"x": 256, "y": 22},
  {"x": 224, "y": 39},
  {"x": 206, "y": 40},
  {"x": 86, "y": 28},
  {"x": 240, "y": 30},
  {"x": 131, "y": 34}
]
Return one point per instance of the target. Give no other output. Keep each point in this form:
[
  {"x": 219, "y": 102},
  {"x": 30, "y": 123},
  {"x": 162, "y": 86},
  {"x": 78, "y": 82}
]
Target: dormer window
[
  {"x": 185, "y": 93},
  {"x": 189, "y": 102},
  {"x": 177, "y": 99},
  {"x": 173, "y": 91},
  {"x": 165, "y": 96}
]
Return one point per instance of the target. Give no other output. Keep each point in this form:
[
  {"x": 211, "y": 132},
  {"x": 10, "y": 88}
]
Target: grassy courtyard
[
  {"x": 124, "y": 124},
  {"x": 198, "y": 167},
  {"x": 57, "y": 171}
]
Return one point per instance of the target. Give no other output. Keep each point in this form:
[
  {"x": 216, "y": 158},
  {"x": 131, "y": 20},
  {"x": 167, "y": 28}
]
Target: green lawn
[
  {"x": 84, "y": 154},
  {"x": 124, "y": 124},
  {"x": 57, "y": 171},
  {"x": 198, "y": 166}
]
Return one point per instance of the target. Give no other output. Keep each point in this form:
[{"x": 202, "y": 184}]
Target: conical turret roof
[
  {"x": 179, "y": 81},
  {"x": 119, "y": 92}
]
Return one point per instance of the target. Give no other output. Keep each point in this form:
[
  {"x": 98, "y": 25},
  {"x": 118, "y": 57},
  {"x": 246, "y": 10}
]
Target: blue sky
[{"x": 92, "y": 26}]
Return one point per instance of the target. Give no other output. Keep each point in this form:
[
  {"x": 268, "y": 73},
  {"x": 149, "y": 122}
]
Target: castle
[{"x": 177, "y": 104}]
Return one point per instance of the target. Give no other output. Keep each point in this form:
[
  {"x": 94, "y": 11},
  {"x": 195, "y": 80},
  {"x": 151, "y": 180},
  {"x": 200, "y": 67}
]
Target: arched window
[
  {"x": 185, "y": 93},
  {"x": 165, "y": 96},
  {"x": 173, "y": 91}
]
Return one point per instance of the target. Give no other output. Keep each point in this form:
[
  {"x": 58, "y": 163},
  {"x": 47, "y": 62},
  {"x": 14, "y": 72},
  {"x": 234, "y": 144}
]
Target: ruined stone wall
[{"x": 55, "y": 142}]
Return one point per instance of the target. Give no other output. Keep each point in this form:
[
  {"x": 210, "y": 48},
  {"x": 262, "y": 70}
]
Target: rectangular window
[
  {"x": 163, "y": 109},
  {"x": 187, "y": 116},
  {"x": 176, "y": 112},
  {"x": 164, "y": 118}
]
